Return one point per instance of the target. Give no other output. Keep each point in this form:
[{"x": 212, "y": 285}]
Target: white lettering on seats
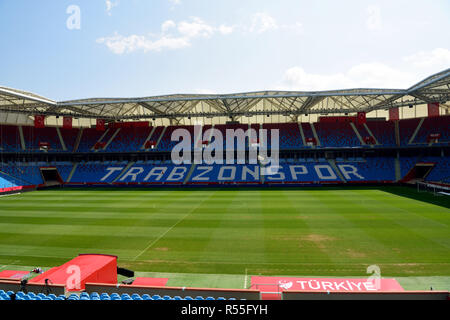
[
  {"x": 200, "y": 176},
  {"x": 133, "y": 173},
  {"x": 329, "y": 175},
  {"x": 111, "y": 171},
  {"x": 348, "y": 169}
]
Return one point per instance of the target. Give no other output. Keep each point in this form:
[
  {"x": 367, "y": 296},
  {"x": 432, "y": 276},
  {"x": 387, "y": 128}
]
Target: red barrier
[{"x": 84, "y": 268}]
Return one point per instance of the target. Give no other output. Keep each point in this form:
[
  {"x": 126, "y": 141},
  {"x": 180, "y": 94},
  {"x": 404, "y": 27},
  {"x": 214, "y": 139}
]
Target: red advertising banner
[
  {"x": 131, "y": 124},
  {"x": 361, "y": 117},
  {"x": 67, "y": 123},
  {"x": 272, "y": 285},
  {"x": 433, "y": 109},
  {"x": 100, "y": 125},
  {"x": 39, "y": 121},
  {"x": 394, "y": 114},
  {"x": 338, "y": 119}
]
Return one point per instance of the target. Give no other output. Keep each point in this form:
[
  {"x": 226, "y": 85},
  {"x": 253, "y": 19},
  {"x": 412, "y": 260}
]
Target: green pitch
[{"x": 303, "y": 232}]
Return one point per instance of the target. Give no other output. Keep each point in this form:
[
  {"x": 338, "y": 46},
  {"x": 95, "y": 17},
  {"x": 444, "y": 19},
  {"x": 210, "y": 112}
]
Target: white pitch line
[
  {"x": 8, "y": 195},
  {"x": 167, "y": 231},
  {"x": 245, "y": 282}
]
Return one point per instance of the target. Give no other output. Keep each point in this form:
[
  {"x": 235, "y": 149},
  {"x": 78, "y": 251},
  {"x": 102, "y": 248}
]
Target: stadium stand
[
  {"x": 129, "y": 139},
  {"x": 34, "y": 137},
  {"x": 435, "y": 125},
  {"x": 97, "y": 172},
  {"x": 9, "y": 138},
  {"x": 166, "y": 144},
  {"x": 223, "y": 129},
  {"x": 292, "y": 170},
  {"x": 407, "y": 128},
  {"x": 89, "y": 139},
  {"x": 384, "y": 132},
  {"x": 28, "y": 173},
  {"x": 289, "y": 134},
  {"x": 440, "y": 171},
  {"x": 336, "y": 135},
  {"x": 95, "y": 296},
  {"x": 378, "y": 169}
]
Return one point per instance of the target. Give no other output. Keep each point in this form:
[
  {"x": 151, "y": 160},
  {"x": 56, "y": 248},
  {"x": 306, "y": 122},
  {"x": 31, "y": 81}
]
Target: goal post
[{"x": 436, "y": 189}]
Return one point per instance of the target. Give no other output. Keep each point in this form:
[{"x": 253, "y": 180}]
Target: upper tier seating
[
  {"x": 406, "y": 128},
  {"x": 223, "y": 129},
  {"x": 9, "y": 139},
  {"x": 166, "y": 143},
  {"x": 129, "y": 139},
  {"x": 336, "y": 134},
  {"x": 132, "y": 139},
  {"x": 384, "y": 132},
  {"x": 89, "y": 139},
  {"x": 69, "y": 137},
  {"x": 33, "y": 136},
  {"x": 289, "y": 135},
  {"x": 440, "y": 125}
]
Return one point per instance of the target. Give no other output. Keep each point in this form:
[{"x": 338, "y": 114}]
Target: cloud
[
  {"x": 438, "y": 58},
  {"x": 224, "y": 29},
  {"x": 119, "y": 44},
  {"x": 365, "y": 75},
  {"x": 110, "y": 5},
  {"x": 414, "y": 68},
  {"x": 195, "y": 28},
  {"x": 262, "y": 22},
  {"x": 167, "y": 25},
  {"x": 179, "y": 35},
  {"x": 172, "y": 36},
  {"x": 374, "y": 21}
]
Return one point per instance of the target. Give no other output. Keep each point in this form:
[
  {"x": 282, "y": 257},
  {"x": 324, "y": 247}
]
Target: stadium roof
[{"x": 435, "y": 88}]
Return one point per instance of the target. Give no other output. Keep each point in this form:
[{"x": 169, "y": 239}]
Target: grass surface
[{"x": 215, "y": 237}]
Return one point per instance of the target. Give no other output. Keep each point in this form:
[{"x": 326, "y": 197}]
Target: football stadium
[{"x": 279, "y": 195}]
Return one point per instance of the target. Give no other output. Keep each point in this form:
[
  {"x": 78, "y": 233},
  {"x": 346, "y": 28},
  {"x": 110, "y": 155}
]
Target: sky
[{"x": 78, "y": 49}]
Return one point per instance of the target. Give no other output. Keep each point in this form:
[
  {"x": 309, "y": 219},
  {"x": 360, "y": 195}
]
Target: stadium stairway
[
  {"x": 416, "y": 131},
  {"x": 78, "y": 140},
  {"x": 61, "y": 140},
  {"x": 302, "y": 134},
  {"x": 111, "y": 139},
  {"x": 313, "y": 129},
  {"x": 22, "y": 139},
  {"x": 358, "y": 135},
  {"x": 148, "y": 138},
  {"x": 129, "y": 165},
  {"x": 160, "y": 137},
  {"x": 332, "y": 163},
  {"x": 191, "y": 171},
  {"x": 74, "y": 168}
]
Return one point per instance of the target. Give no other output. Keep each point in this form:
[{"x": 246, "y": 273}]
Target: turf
[{"x": 233, "y": 232}]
